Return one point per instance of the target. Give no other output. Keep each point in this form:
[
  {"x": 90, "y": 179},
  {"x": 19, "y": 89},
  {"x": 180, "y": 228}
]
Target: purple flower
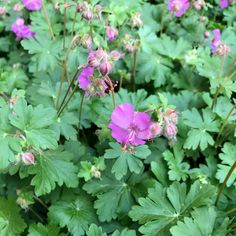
[
  {"x": 130, "y": 127},
  {"x": 32, "y": 4},
  {"x": 216, "y": 41},
  {"x": 178, "y": 6},
  {"x": 22, "y": 31},
  {"x": 111, "y": 33},
  {"x": 84, "y": 78},
  {"x": 225, "y": 3}
]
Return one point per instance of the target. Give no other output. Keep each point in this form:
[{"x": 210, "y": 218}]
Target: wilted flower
[
  {"x": 111, "y": 33},
  {"x": 28, "y": 158},
  {"x": 22, "y": 31},
  {"x": 136, "y": 20},
  {"x": 32, "y": 4},
  {"x": 130, "y": 127},
  {"x": 225, "y": 3},
  {"x": 178, "y": 6}
]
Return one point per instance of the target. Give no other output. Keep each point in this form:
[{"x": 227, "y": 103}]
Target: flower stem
[
  {"x": 80, "y": 110},
  {"x": 134, "y": 70},
  {"x": 41, "y": 202},
  {"x": 233, "y": 167},
  {"x": 64, "y": 25},
  {"x": 62, "y": 108},
  {"x": 112, "y": 92},
  {"x": 224, "y": 123},
  {"x": 68, "y": 89},
  {"x": 231, "y": 211},
  {"x": 36, "y": 214},
  {"x": 48, "y": 20}
]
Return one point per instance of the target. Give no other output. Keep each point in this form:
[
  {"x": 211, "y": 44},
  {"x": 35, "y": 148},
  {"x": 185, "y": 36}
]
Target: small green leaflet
[
  {"x": 199, "y": 136},
  {"x": 11, "y": 223},
  {"x": 108, "y": 189},
  {"x": 44, "y": 230},
  {"x": 163, "y": 207},
  {"x": 228, "y": 158},
  {"x": 126, "y": 159},
  {"x": 36, "y": 123},
  {"x": 51, "y": 168},
  {"x": 203, "y": 222},
  {"x": 75, "y": 214}
]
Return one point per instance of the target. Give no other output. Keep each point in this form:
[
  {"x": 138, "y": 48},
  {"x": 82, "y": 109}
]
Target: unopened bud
[
  {"x": 155, "y": 130},
  {"x": 111, "y": 33},
  {"x": 207, "y": 34},
  {"x": 3, "y": 11},
  {"x": 86, "y": 41},
  {"x": 95, "y": 172},
  {"x": 28, "y": 158},
  {"x": 170, "y": 131},
  {"x": 56, "y": 6},
  {"x": 105, "y": 68}
]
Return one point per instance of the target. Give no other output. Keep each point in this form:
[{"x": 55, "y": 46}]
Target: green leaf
[
  {"x": 109, "y": 189},
  {"x": 198, "y": 136},
  {"x": 124, "y": 232},
  {"x": 163, "y": 207},
  {"x": 127, "y": 159},
  {"x": 197, "y": 225},
  {"x": 35, "y": 123},
  {"x": 76, "y": 214},
  {"x": 94, "y": 230},
  {"x": 11, "y": 223},
  {"x": 46, "y": 51},
  {"x": 51, "y": 168},
  {"x": 228, "y": 158},
  {"x": 178, "y": 169},
  {"x": 42, "y": 230}
]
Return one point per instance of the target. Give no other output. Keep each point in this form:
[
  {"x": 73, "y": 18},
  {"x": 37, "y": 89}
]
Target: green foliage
[
  {"x": 53, "y": 167},
  {"x": 199, "y": 135},
  {"x": 163, "y": 207},
  {"x": 76, "y": 214},
  {"x": 11, "y": 222},
  {"x": 126, "y": 159},
  {"x": 49, "y": 230}
]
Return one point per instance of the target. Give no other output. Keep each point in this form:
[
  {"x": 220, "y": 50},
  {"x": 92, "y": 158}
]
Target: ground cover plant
[{"x": 117, "y": 117}]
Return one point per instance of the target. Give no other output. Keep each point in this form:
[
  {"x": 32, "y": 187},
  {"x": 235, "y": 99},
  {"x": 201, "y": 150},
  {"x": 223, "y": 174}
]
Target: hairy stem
[
  {"x": 48, "y": 20},
  {"x": 73, "y": 92},
  {"x": 233, "y": 167},
  {"x": 134, "y": 70},
  {"x": 80, "y": 110}
]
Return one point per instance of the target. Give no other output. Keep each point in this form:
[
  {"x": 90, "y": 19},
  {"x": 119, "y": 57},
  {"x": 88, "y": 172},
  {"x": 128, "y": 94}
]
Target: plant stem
[
  {"x": 48, "y": 20},
  {"x": 112, "y": 92},
  {"x": 231, "y": 211},
  {"x": 73, "y": 92},
  {"x": 224, "y": 123},
  {"x": 36, "y": 214},
  {"x": 73, "y": 25},
  {"x": 134, "y": 70},
  {"x": 64, "y": 26},
  {"x": 225, "y": 181},
  {"x": 68, "y": 89},
  {"x": 41, "y": 202},
  {"x": 80, "y": 110}
]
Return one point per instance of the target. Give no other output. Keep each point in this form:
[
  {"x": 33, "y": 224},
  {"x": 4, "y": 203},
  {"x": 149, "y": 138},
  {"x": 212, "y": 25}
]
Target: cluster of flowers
[
  {"x": 135, "y": 128},
  {"x": 179, "y": 7},
  {"x": 21, "y": 30},
  {"x": 101, "y": 61},
  {"x": 217, "y": 46}
]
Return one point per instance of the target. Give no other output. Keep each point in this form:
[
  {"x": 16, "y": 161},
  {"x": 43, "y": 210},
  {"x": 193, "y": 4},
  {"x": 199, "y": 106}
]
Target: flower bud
[
  {"x": 105, "y": 67},
  {"x": 115, "y": 55},
  {"x": 28, "y": 158},
  {"x": 95, "y": 172},
  {"x": 207, "y": 34},
  {"x": 223, "y": 50},
  {"x": 197, "y": 6},
  {"x": 86, "y": 41},
  {"x": 56, "y": 6},
  {"x": 155, "y": 130},
  {"x": 3, "y": 11},
  {"x": 170, "y": 131},
  {"x": 171, "y": 116},
  {"x": 111, "y": 33},
  {"x": 88, "y": 15},
  {"x": 17, "y": 7}
]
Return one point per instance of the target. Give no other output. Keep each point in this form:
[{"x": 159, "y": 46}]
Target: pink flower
[
  {"x": 22, "y": 31},
  {"x": 32, "y": 4},
  {"x": 155, "y": 130},
  {"x": 105, "y": 67},
  {"x": 130, "y": 127},
  {"x": 28, "y": 158},
  {"x": 225, "y": 3},
  {"x": 84, "y": 77},
  {"x": 179, "y": 7},
  {"x": 216, "y": 42},
  {"x": 86, "y": 41},
  {"x": 111, "y": 33}
]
